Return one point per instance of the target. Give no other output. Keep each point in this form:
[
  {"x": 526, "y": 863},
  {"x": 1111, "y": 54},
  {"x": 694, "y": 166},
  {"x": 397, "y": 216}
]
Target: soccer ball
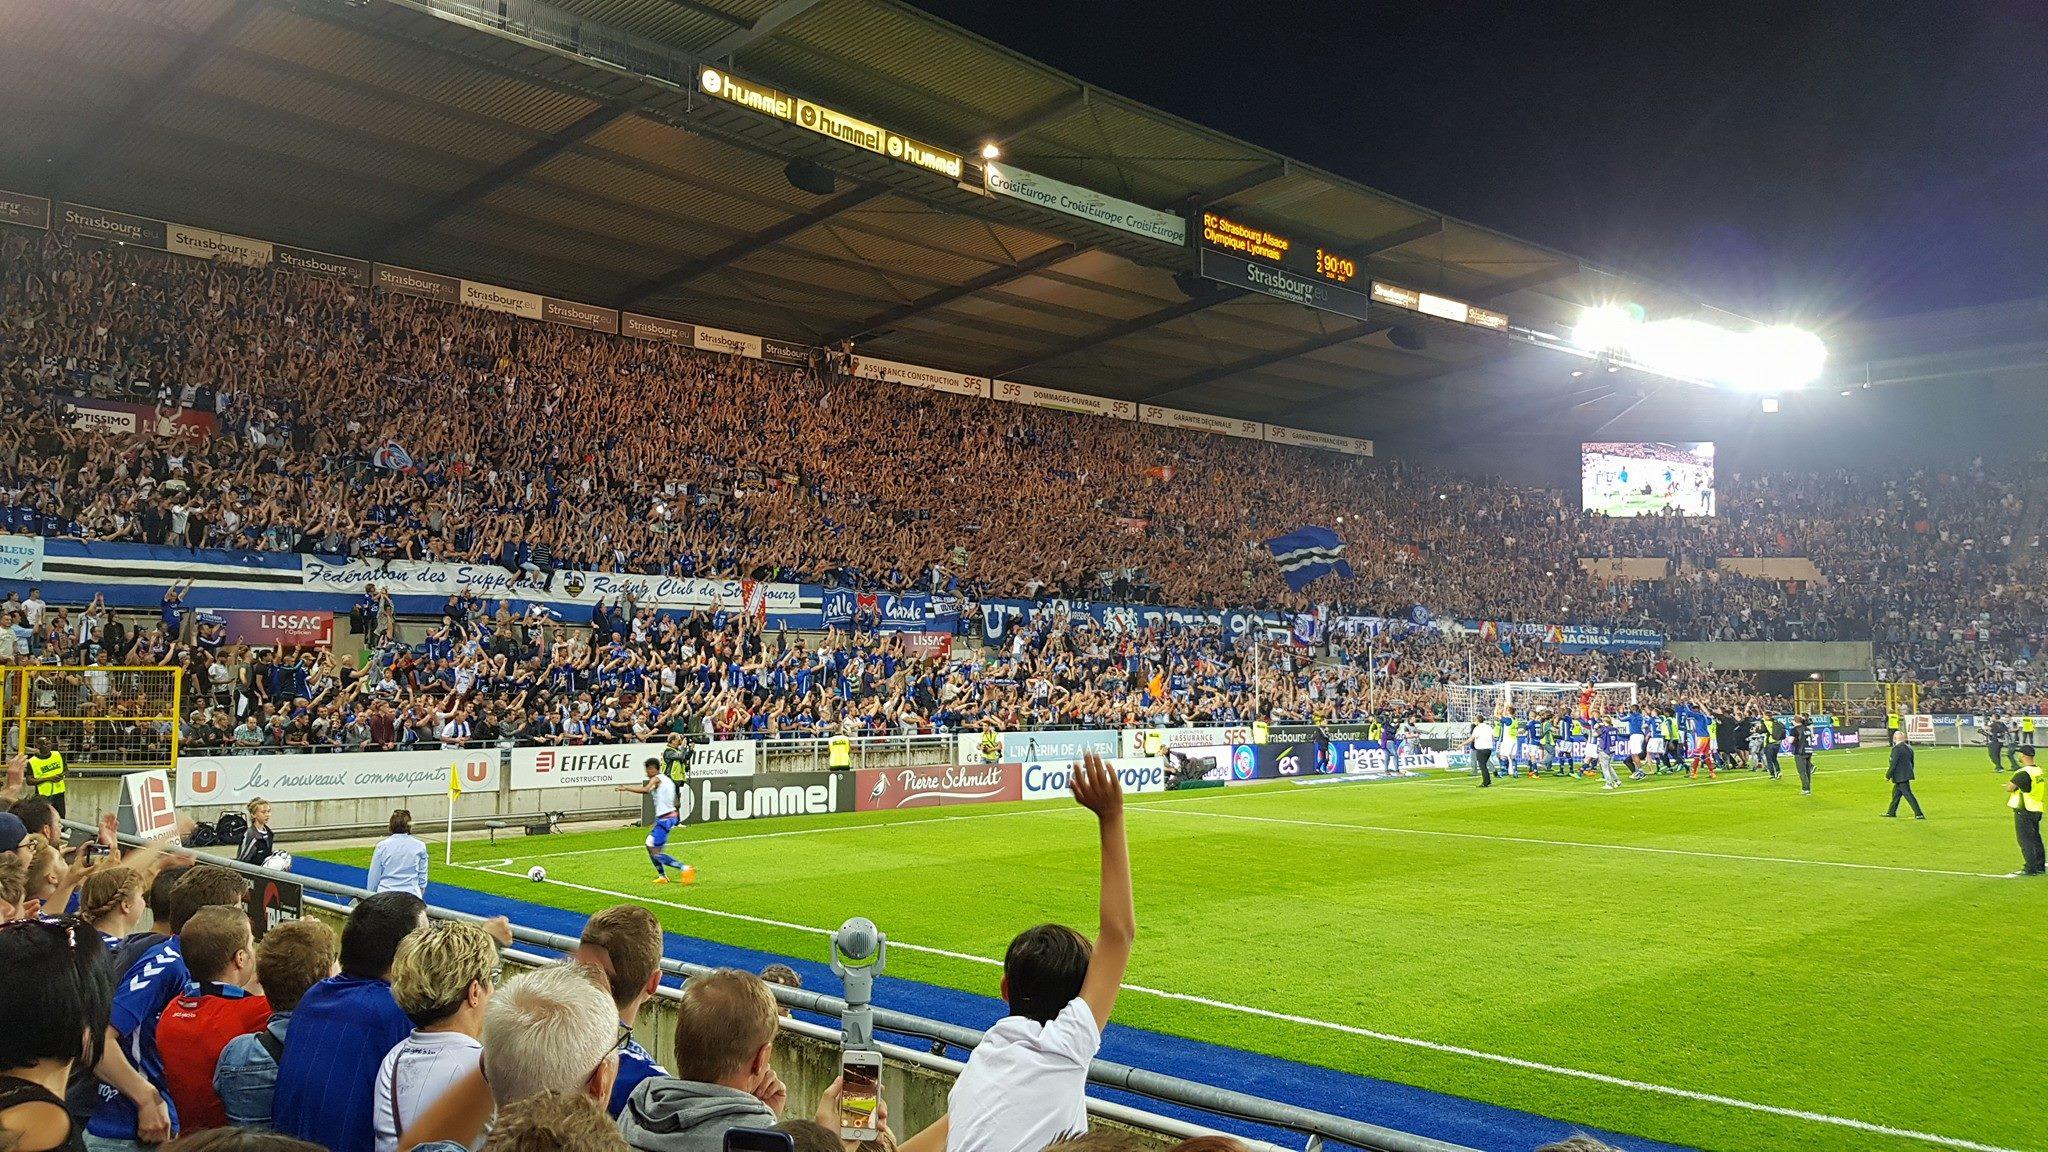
[
  {"x": 278, "y": 862},
  {"x": 536, "y": 873}
]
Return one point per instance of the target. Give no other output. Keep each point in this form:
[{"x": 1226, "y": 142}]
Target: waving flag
[
  {"x": 393, "y": 456},
  {"x": 1307, "y": 554}
]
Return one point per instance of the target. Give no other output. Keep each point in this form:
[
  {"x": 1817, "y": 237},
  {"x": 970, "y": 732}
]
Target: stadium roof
[{"x": 570, "y": 149}]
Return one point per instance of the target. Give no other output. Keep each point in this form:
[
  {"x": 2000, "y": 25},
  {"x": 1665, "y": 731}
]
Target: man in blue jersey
[
  {"x": 343, "y": 1028},
  {"x": 1632, "y": 729},
  {"x": 146, "y": 989},
  {"x": 666, "y": 816},
  {"x": 1605, "y": 741},
  {"x": 624, "y": 945}
]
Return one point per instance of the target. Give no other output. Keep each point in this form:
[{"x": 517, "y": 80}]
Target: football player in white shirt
[{"x": 666, "y": 816}]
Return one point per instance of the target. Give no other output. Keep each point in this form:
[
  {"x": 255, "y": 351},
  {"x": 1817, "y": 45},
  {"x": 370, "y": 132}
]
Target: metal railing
[{"x": 1316, "y": 1128}]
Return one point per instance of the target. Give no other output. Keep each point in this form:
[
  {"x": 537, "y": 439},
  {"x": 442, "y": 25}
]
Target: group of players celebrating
[{"x": 1688, "y": 738}]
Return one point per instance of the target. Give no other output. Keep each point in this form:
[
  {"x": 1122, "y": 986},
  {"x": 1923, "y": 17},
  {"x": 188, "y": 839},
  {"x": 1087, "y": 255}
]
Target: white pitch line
[
  {"x": 1354, "y": 1030},
  {"x": 866, "y": 826},
  {"x": 1595, "y": 844}
]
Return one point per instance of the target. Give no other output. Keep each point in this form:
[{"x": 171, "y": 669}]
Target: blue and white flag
[
  {"x": 1306, "y": 554},
  {"x": 393, "y": 456}
]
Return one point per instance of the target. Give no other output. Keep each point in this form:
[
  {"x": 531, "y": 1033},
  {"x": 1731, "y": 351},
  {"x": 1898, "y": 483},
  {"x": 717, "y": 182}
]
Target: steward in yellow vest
[
  {"x": 839, "y": 752},
  {"x": 2027, "y": 796},
  {"x": 46, "y": 772}
]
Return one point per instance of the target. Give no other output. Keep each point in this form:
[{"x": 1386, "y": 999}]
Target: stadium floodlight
[
  {"x": 1774, "y": 359},
  {"x": 991, "y": 150}
]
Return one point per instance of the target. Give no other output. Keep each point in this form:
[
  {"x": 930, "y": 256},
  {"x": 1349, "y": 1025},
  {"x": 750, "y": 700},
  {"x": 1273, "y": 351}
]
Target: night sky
[{"x": 1795, "y": 161}]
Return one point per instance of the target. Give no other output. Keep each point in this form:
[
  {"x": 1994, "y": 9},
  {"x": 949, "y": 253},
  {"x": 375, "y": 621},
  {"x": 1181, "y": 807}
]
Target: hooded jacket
[{"x": 665, "y": 1114}]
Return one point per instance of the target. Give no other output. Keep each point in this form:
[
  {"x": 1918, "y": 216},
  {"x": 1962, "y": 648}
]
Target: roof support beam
[
  {"x": 1135, "y": 324},
  {"x": 993, "y": 278},
  {"x": 194, "y": 55},
  {"x": 1051, "y": 112},
  {"x": 1237, "y": 185},
  {"x": 442, "y": 207},
  {"x": 1344, "y": 335},
  {"x": 746, "y": 246},
  {"x": 739, "y": 39}
]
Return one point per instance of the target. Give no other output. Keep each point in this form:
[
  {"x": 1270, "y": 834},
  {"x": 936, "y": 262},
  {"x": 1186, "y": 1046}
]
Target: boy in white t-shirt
[{"x": 1025, "y": 1084}]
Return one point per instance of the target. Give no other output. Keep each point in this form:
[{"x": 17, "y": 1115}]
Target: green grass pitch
[{"x": 1764, "y": 970}]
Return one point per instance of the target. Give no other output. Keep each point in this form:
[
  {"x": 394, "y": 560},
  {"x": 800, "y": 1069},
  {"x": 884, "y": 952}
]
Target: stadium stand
[{"x": 333, "y": 437}]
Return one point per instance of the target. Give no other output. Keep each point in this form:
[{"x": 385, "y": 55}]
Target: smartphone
[
  {"x": 860, "y": 1091},
  {"x": 758, "y": 1140}
]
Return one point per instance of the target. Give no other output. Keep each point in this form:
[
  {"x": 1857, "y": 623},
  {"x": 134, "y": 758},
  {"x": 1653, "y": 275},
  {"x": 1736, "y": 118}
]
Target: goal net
[
  {"x": 101, "y": 716},
  {"x": 1469, "y": 702}
]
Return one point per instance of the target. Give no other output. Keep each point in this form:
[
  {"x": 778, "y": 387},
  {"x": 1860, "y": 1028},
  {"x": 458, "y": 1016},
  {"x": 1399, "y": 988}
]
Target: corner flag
[{"x": 1306, "y": 554}]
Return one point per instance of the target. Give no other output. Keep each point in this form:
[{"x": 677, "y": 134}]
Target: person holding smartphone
[{"x": 1025, "y": 1084}]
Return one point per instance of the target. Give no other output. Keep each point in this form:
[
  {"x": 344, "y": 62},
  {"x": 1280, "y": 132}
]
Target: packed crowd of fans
[
  {"x": 358, "y": 423},
  {"x": 148, "y": 1015}
]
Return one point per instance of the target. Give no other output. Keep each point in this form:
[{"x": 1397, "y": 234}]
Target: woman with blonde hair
[
  {"x": 113, "y": 902},
  {"x": 442, "y": 978}
]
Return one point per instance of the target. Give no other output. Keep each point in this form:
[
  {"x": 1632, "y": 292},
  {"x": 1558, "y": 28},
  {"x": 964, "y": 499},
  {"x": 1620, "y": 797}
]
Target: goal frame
[{"x": 1504, "y": 696}]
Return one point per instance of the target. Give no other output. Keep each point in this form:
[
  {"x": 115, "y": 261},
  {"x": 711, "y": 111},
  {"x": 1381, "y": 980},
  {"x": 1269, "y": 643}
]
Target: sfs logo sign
[{"x": 759, "y": 797}]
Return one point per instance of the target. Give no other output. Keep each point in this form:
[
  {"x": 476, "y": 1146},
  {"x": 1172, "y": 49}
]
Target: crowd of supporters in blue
[{"x": 350, "y": 422}]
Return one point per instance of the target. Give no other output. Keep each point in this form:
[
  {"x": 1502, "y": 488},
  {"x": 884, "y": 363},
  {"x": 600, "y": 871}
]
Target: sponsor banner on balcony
[
  {"x": 1159, "y": 741},
  {"x": 492, "y": 298},
  {"x": 611, "y": 764},
  {"x": 1039, "y": 396},
  {"x": 730, "y": 343},
  {"x": 1201, "y": 422},
  {"x": 916, "y": 376},
  {"x": 576, "y": 315},
  {"x": 232, "y": 781},
  {"x": 412, "y": 282},
  {"x": 119, "y": 227},
  {"x": 222, "y": 246},
  {"x": 325, "y": 265},
  {"x": 1329, "y": 442},
  {"x": 270, "y": 629},
  {"x": 657, "y": 328},
  {"x": 21, "y": 557},
  {"x": 124, "y": 419},
  {"x": 784, "y": 352},
  {"x": 23, "y": 210}
]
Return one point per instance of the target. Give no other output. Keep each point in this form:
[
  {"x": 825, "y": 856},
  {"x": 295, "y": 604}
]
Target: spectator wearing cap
[{"x": 293, "y": 957}]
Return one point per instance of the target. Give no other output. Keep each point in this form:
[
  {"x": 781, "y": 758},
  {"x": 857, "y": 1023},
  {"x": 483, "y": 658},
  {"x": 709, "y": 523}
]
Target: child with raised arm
[{"x": 1024, "y": 1085}]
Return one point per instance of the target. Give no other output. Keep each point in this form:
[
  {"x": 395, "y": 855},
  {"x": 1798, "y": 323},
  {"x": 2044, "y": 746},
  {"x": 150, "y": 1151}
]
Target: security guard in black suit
[{"x": 1901, "y": 775}]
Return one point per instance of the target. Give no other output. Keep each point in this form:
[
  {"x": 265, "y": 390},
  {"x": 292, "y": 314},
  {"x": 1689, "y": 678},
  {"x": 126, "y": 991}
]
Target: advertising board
[
  {"x": 721, "y": 799},
  {"x": 931, "y": 785}
]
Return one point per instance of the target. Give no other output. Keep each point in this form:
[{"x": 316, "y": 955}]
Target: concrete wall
[{"x": 1778, "y": 656}]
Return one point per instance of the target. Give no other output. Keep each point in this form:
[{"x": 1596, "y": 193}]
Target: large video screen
[{"x": 1647, "y": 479}]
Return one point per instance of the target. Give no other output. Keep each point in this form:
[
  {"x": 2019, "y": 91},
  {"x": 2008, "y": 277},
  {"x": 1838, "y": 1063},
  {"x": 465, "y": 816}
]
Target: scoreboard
[{"x": 1257, "y": 258}]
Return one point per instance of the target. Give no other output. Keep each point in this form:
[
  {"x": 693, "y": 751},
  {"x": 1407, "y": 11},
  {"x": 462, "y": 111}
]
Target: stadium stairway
[{"x": 1473, "y": 1123}]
